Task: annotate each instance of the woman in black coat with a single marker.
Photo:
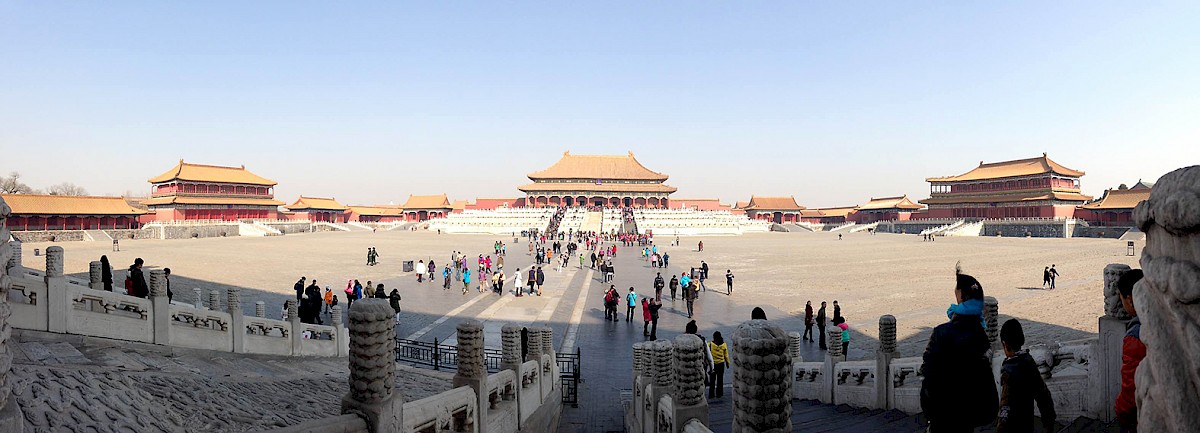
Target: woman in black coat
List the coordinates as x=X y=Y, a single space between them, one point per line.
x=106 y=273
x=958 y=392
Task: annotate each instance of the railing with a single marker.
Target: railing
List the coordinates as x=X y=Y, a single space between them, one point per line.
x=437 y=355
x=569 y=374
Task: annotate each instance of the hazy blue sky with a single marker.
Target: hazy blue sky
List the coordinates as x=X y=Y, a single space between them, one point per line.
x=833 y=102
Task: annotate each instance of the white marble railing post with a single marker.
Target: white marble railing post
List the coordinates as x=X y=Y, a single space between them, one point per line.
x=293 y=318
x=237 y=320
x=160 y=313
x=1167 y=301
x=14 y=264
x=1107 y=380
x=991 y=314
x=472 y=371
x=260 y=309
x=214 y=300
x=642 y=376
x=662 y=375
x=832 y=357
x=883 y=360
x=761 y=372
x=689 y=380
x=372 y=359
x=339 y=328
x=11 y=418
x=199 y=299
x=57 y=304
x=95 y=275
x=510 y=344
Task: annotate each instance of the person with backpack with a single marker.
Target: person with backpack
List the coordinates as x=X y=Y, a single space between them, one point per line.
x=135 y=282
x=959 y=390
x=674 y=285
x=610 y=304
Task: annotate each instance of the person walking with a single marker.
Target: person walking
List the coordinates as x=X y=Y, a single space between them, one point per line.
x=541 y=279
x=421 y=271
x=380 y=293
x=1053 y=276
x=394 y=300
x=658 y=286
x=532 y=280
x=959 y=390
x=1021 y=385
x=299 y=288
x=610 y=303
x=106 y=273
x=837 y=312
x=821 y=326
x=1046 y=277
x=328 y=300
x=728 y=282
x=689 y=295
x=430 y=268
x=136 y=281
x=700 y=247
x=446 y=277
x=466 y=280
x=349 y=293
x=808 y=321
x=631 y=300
x=719 y=353
x=517 y=282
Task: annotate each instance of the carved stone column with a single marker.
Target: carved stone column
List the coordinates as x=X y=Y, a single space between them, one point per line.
x=1108 y=346
x=472 y=371
x=991 y=314
x=160 y=307
x=643 y=376
x=1168 y=304
x=883 y=359
x=199 y=303
x=260 y=309
x=761 y=379
x=214 y=300
x=96 y=275
x=293 y=318
x=54 y=261
x=510 y=344
x=11 y=418
x=13 y=264
x=237 y=320
x=662 y=356
x=832 y=357
x=690 y=366
x=794 y=341
x=372 y=366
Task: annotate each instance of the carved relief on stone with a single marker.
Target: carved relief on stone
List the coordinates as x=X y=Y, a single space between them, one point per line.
x=689 y=369
x=761 y=373
x=233 y=300
x=95 y=272
x=1168 y=304
x=887 y=333
x=470 y=350
x=260 y=310
x=372 y=360
x=510 y=343
x=991 y=314
x=664 y=360
x=835 y=341
x=54 y=261
x=1112 y=295
x=794 y=341
x=158 y=283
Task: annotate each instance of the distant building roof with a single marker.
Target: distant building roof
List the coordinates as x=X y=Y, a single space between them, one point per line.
x=211 y=173
x=38 y=204
x=243 y=201
x=1120 y=199
x=740 y=204
x=427 y=202
x=773 y=203
x=901 y=202
x=598 y=167
x=377 y=210
x=319 y=203
x=834 y=211
x=459 y=205
x=593 y=187
x=1142 y=185
x=1008 y=198
x=1021 y=167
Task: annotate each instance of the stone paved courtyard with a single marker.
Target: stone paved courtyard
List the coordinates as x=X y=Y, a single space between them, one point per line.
x=870 y=275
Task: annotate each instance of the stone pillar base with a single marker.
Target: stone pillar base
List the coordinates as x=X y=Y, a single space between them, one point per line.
x=382 y=417
x=684 y=413
x=11 y=418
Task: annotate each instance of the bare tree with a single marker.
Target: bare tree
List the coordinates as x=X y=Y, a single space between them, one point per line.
x=13 y=185
x=66 y=188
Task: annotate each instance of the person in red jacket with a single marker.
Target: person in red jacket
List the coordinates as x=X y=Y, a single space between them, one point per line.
x=1132 y=352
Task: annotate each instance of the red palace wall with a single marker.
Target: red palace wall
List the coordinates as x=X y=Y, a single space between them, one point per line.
x=72 y=222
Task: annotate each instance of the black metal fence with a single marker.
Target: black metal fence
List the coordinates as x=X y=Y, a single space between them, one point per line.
x=439 y=356
x=569 y=374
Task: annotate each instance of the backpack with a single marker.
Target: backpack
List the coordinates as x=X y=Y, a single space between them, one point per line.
x=609 y=297
x=128 y=285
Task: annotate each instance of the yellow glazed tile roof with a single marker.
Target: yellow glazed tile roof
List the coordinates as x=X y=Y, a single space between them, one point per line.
x=427 y=202
x=1021 y=167
x=901 y=202
x=773 y=203
x=211 y=173
x=1120 y=199
x=212 y=201
x=316 y=203
x=38 y=204
x=598 y=167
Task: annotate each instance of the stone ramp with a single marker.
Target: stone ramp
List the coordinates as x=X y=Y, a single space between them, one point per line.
x=98 y=235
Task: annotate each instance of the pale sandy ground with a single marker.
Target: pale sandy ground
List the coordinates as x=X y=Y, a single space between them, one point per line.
x=869 y=275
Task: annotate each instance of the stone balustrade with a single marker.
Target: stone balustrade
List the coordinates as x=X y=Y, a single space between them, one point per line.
x=48 y=301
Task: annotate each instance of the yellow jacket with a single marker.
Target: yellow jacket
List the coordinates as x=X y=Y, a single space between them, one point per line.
x=720 y=353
